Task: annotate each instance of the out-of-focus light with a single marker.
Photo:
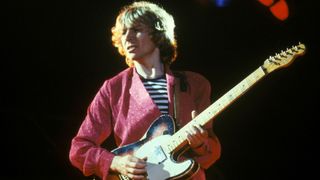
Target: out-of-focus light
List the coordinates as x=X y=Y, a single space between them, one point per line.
x=266 y=2
x=278 y=8
x=222 y=3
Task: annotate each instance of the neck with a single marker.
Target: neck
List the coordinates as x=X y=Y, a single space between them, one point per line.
x=150 y=68
x=150 y=72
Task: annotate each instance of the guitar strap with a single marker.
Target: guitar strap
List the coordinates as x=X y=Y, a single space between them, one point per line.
x=176 y=101
x=180 y=85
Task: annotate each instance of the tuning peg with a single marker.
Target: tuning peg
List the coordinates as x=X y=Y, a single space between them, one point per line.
x=301 y=47
x=277 y=57
x=295 y=48
x=289 y=51
x=275 y=61
x=272 y=58
x=283 y=54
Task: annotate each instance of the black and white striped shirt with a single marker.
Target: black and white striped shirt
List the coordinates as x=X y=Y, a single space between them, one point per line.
x=157 y=88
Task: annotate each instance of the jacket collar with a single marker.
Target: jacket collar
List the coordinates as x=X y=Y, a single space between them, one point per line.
x=139 y=93
x=142 y=97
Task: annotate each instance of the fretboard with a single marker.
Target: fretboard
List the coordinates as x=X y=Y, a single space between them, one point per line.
x=179 y=138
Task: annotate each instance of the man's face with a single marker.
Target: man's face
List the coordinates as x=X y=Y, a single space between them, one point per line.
x=137 y=42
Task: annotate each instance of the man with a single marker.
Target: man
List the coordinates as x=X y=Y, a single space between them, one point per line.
x=128 y=103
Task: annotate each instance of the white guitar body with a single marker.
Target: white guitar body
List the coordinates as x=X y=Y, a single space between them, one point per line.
x=161 y=161
x=161 y=165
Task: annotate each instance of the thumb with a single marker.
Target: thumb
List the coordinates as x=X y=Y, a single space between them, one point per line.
x=194 y=114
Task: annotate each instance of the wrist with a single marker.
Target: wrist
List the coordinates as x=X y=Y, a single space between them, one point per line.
x=114 y=164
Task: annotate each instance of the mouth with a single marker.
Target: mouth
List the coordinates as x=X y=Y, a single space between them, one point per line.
x=131 y=48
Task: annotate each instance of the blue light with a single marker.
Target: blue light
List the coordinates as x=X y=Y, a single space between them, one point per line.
x=222 y=3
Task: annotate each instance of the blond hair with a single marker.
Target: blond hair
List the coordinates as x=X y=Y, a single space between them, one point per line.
x=157 y=19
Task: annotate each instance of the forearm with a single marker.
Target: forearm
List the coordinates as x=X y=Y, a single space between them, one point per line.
x=89 y=158
x=208 y=153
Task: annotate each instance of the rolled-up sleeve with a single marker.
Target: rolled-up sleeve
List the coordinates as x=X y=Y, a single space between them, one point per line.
x=85 y=152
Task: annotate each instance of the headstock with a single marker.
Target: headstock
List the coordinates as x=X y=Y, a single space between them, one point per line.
x=283 y=59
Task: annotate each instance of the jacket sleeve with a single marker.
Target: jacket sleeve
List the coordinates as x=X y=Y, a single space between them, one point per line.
x=212 y=147
x=85 y=152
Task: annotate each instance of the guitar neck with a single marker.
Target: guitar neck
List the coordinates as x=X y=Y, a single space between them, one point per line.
x=179 y=139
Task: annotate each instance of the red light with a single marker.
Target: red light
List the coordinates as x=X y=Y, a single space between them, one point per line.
x=266 y=2
x=279 y=9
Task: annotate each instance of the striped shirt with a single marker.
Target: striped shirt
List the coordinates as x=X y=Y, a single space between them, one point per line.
x=157 y=89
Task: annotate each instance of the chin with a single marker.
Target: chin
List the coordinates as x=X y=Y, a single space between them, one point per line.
x=132 y=56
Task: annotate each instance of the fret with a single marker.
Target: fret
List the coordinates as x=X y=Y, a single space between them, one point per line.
x=229 y=97
x=179 y=139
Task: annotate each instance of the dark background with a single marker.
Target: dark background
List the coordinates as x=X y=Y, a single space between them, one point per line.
x=56 y=54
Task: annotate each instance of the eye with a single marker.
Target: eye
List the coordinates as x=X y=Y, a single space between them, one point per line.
x=124 y=31
x=136 y=30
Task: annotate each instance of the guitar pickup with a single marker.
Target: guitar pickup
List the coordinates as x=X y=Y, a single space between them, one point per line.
x=159 y=154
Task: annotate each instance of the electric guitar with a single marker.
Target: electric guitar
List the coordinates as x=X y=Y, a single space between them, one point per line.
x=162 y=145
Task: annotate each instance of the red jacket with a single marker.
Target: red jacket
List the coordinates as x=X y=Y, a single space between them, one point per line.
x=124 y=107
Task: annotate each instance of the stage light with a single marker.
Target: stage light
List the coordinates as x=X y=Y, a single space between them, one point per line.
x=222 y=3
x=278 y=8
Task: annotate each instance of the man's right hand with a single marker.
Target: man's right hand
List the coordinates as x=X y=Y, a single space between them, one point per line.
x=130 y=166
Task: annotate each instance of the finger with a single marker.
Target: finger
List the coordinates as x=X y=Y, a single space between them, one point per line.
x=137 y=171
x=193 y=138
x=134 y=173
x=193 y=130
x=138 y=160
x=190 y=139
x=203 y=132
x=194 y=114
x=194 y=141
x=140 y=164
x=198 y=128
x=197 y=136
x=136 y=177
